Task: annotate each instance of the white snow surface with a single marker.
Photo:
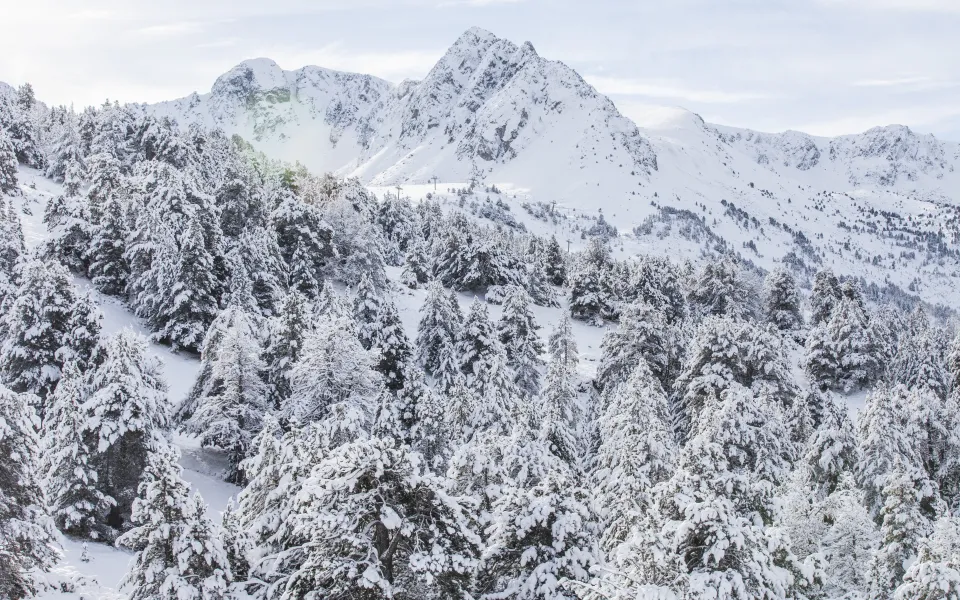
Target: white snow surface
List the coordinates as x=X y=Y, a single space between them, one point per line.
x=499 y=113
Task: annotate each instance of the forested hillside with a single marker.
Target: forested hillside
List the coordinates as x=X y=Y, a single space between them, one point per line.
x=425 y=399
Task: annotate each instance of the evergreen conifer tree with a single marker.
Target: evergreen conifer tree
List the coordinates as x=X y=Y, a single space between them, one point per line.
x=636 y=452
x=641 y=336
x=178 y=550
x=438 y=334
x=555 y=263
x=8 y=165
x=283 y=346
x=378 y=523
x=517 y=331
x=721 y=290
x=125 y=412
x=232 y=414
x=79 y=506
x=824 y=296
x=108 y=268
x=37 y=326
x=27 y=538
x=781 y=299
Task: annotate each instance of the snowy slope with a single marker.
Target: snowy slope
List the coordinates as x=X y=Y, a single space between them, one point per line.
x=99 y=578
x=102 y=574
x=879 y=205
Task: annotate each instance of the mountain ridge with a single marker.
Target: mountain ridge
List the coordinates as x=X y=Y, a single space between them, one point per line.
x=879 y=205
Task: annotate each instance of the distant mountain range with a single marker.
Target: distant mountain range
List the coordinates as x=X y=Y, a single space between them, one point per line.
x=880 y=204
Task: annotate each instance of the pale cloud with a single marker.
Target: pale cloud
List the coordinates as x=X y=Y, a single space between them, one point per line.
x=918 y=117
x=170 y=29
x=904 y=81
x=908 y=84
x=670 y=90
x=901 y=5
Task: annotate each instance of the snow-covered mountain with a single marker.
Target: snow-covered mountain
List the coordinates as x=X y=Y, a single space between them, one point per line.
x=880 y=204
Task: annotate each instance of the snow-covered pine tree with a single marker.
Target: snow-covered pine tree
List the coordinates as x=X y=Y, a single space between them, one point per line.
x=399 y=223
x=37 y=326
x=12 y=246
x=16 y=119
x=557 y=411
x=555 y=263
x=834 y=536
x=68 y=224
x=238 y=197
x=27 y=537
x=359 y=246
x=903 y=525
x=284 y=341
x=334 y=378
x=642 y=335
x=191 y=302
x=540 y=536
x=78 y=504
x=379 y=525
x=422 y=415
x=305 y=241
x=230 y=416
x=824 y=296
x=380 y=330
x=270 y=506
x=233 y=318
x=82 y=343
x=517 y=331
x=781 y=301
x=125 y=412
x=590 y=295
x=437 y=335
x=67 y=149
x=654 y=280
x=918 y=359
x=366 y=310
x=329 y=302
x=886 y=440
x=936 y=572
x=8 y=165
x=235 y=542
x=726 y=351
x=720 y=289
x=416 y=265
x=720 y=505
x=538 y=287
x=832 y=451
x=178 y=550
x=108 y=268
x=483 y=364
x=256 y=248
x=562 y=344
x=637 y=451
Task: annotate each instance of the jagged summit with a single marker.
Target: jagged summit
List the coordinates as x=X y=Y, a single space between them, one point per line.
x=486 y=109
x=495 y=111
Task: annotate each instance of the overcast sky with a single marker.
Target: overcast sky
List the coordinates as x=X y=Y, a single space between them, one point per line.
x=827 y=67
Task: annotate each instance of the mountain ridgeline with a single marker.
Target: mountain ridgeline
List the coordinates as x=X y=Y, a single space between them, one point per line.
x=879 y=205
